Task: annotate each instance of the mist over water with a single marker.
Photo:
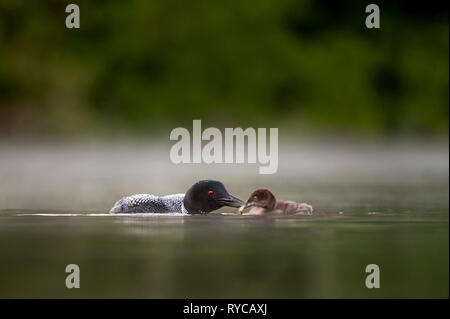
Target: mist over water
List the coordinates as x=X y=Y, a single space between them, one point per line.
x=386 y=205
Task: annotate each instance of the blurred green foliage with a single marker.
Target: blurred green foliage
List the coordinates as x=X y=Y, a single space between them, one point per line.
x=142 y=66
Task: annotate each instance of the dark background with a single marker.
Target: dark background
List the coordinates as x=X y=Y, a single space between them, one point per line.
x=143 y=67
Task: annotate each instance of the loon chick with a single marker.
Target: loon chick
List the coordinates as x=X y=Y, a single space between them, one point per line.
x=263 y=201
x=201 y=198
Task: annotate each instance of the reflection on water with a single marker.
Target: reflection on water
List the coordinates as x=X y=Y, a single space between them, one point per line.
x=322 y=256
x=399 y=222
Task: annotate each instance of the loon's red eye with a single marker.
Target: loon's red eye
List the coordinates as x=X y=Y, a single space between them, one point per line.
x=210 y=193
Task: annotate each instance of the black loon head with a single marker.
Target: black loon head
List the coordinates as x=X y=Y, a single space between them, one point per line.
x=205 y=196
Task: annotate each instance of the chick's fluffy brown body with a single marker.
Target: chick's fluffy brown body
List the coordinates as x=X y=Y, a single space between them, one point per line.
x=263 y=201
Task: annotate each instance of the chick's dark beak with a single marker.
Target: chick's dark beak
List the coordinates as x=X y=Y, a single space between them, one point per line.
x=231 y=201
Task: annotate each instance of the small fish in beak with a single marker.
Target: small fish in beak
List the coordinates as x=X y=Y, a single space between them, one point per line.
x=243 y=207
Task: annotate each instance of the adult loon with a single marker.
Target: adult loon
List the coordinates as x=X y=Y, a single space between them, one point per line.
x=263 y=201
x=201 y=198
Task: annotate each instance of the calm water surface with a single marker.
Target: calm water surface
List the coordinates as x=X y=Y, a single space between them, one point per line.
x=400 y=224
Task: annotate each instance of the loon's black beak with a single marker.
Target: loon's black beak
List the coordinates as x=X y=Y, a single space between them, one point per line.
x=231 y=201
x=247 y=204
